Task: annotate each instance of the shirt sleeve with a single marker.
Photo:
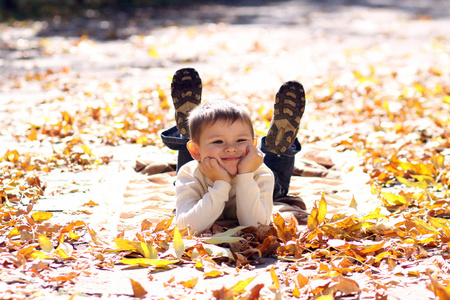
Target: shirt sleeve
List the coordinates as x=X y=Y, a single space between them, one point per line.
x=199 y=205
x=254 y=197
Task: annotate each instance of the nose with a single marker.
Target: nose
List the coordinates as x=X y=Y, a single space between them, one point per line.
x=230 y=148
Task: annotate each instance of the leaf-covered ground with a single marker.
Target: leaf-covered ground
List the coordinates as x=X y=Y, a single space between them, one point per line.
x=76 y=95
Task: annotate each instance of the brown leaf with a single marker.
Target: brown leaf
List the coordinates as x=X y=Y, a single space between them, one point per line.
x=344 y=285
x=146 y=225
x=223 y=294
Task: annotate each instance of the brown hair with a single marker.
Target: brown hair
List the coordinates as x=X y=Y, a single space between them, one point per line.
x=210 y=112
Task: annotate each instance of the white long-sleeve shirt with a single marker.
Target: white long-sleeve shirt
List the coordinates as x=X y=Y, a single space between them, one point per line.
x=200 y=202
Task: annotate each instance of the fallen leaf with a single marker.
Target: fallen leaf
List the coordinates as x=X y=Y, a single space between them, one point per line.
x=138 y=290
x=146 y=262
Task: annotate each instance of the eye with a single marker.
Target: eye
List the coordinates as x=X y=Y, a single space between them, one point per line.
x=218 y=142
x=242 y=140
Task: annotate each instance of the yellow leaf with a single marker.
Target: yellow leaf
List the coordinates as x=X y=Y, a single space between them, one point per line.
x=424 y=178
x=38 y=255
x=217 y=251
x=386 y=107
x=190 y=283
x=419 y=87
x=447 y=99
x=442 y=224
x=420 y=184
x=138 y=290
x=296 y=292
x=64 y=250
x=325 y=297
x=222 y=240
x=199 y=265
x=312 y=218
x=382 y=255
x=153 y=53
x=276 y=282
x=424 y=227
x=146 y=262
x=45 y=243
x=213 y=274
x=147 y=250
x=41 y=216
x=74 y=236
x=425 y=238
x=95 y=238
x=353 y=204
x=178 y=243
x=124 y=245
x=239 y=287
x=438 y=160
x=322 y=209
x=393 y=199
x=225 y=237
x=142 y=140
x=14 y=232
x=317 y=215
x=164 y=104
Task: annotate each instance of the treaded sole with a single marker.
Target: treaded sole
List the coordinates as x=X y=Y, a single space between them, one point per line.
x=186 y=91
x=288 y=111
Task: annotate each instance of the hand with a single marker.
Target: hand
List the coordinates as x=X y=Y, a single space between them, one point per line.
x=252 y=160
x=210 y=168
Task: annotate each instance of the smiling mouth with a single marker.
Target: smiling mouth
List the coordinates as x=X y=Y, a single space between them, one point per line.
x=230 y=158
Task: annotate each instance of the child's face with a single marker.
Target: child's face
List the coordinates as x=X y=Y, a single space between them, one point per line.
x=226 y=142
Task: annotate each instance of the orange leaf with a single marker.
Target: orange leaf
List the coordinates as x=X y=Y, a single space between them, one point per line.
x=138 y=290
x=443 y=293
x=33 y=135
x=190 y=283
x=302 y=280
x=90 y=203
x=41 y=216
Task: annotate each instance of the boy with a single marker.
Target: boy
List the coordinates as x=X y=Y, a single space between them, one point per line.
x=230 y=178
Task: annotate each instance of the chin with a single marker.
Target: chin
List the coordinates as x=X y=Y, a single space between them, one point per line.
x=232 y=174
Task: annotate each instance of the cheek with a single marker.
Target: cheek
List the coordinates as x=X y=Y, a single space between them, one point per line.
x=211 y=150
x=244 y=147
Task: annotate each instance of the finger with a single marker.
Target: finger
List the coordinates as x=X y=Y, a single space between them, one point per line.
x=214 y=163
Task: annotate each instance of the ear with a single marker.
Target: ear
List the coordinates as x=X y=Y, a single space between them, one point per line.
x=255 y=142
x=194 y=150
